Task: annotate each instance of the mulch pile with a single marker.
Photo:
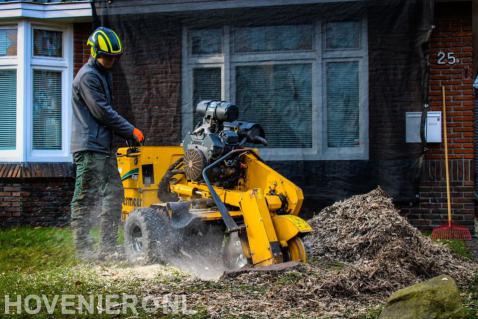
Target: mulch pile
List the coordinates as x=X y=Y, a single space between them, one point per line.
x=380 y=250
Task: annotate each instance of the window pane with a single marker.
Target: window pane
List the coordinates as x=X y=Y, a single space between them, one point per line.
x=342 y=104
x=273 y=38
x=46 y=110
x=342 y=35
x=206 y=41
x=206 y=86
x=8 y=109
x=279 y=97
x=8 y=42
x=47 y=43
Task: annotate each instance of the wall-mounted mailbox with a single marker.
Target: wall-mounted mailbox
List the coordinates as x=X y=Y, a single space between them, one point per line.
x=433 y=127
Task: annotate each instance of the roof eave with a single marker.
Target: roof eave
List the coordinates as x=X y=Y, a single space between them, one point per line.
x=64 y=11
x=155 y=6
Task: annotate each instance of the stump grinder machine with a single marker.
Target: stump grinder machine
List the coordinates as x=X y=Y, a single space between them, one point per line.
x=213 y=195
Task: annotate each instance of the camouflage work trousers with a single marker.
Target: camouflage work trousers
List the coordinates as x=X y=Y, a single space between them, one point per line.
x=98 y=184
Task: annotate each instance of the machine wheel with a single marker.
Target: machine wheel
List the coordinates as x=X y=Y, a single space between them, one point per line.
x=143 y=230
x=296 y=250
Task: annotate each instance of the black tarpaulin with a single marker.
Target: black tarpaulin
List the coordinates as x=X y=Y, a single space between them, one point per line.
x=329 y=81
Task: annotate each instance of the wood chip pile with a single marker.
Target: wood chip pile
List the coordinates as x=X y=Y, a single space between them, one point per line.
x=380 y=250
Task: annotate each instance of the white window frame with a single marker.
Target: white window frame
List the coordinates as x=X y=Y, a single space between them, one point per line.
x=14 y=63
x=359 y=55
x=317 y=57
x=25 y=63
x=64 y=65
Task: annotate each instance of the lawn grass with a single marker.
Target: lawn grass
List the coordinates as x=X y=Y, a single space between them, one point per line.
x=28 y=250
x=41 y=261
x=458 y=246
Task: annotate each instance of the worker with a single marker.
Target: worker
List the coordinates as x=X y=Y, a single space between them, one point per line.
x=94 y=122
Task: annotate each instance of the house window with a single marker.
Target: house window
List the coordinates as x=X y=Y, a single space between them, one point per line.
x=35 y=107
x=46 y=110
x=273 y=93
x=306 y=84
x=273 y=39
x=8 y=109
x=47 y=43
x=206 y=41
x=342 y=104
x=206 y=86
x=342 y=35
x=9 y=80
x=8 y=41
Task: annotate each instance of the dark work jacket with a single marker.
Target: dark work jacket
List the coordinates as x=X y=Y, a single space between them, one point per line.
x=94 y=119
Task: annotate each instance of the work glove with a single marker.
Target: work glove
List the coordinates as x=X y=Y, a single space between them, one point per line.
x=138 y=135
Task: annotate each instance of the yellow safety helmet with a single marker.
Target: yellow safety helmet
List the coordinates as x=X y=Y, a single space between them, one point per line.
x=105 y=41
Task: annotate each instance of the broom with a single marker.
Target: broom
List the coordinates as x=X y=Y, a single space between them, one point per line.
x=449 y=231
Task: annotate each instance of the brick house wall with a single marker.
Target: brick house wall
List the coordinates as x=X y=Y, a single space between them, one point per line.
x=46 y=201
x=148 y=92
x=37 y=194
x=10 y=205
x=453 y=33
x=35 y=201
x=81 y=32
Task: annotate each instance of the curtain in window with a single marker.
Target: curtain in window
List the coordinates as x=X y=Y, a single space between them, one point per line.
x=342 y=35
x=206 y=86
x=46 y=110
x=273 y=38
x=8 y=42
x=47 y=43
x=8 y=109
x=207 y=41
x=279 y=97
x=342 y=104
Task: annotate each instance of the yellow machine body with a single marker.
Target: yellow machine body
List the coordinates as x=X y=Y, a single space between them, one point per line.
x=257 y=201
x=140 y=183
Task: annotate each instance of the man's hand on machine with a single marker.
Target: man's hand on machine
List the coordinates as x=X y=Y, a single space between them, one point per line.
x=138 y=135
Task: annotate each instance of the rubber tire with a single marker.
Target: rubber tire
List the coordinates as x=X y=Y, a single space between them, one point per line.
x=296 y=250
x=153 y=226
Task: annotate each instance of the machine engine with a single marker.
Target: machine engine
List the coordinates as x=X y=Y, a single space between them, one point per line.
x=218 y=134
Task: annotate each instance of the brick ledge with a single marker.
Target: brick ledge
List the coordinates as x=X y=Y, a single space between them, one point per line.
x=36 y=170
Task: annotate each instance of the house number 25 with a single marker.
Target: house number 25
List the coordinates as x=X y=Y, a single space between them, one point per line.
x=446 y=58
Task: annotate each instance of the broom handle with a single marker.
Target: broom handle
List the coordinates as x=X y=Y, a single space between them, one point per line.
x=447 y=173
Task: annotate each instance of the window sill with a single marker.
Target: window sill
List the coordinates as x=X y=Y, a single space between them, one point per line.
x=345 y=154
x=36 y=170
